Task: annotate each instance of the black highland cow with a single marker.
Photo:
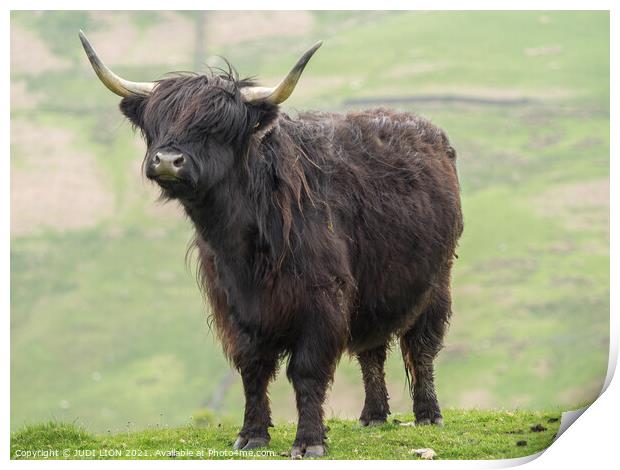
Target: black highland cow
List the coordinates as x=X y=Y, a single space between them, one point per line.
x=317 y=234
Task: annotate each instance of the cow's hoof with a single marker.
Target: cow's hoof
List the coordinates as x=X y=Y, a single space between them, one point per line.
x=247 y=443
x=309 y=452
x=427 y=421
x=372 y=422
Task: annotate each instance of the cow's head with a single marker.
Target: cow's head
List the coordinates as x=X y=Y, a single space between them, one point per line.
x=197 y=127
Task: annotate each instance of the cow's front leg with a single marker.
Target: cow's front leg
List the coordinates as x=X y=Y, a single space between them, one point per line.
x=376 y=407
x=311 y=371
x=257 y=367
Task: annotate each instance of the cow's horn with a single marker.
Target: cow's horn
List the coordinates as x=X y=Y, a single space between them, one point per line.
x=115 y=84
x=280 y=93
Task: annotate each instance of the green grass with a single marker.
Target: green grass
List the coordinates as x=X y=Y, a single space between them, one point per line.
x=108 y=326
x=466 y=435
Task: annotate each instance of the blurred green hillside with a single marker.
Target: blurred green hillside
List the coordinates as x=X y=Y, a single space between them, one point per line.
x=107 y=324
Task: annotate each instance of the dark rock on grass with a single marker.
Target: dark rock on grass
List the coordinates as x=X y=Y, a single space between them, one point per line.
x=521 y=443
x=538 y=428
x=553 y=420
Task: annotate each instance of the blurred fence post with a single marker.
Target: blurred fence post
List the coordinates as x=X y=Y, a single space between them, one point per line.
x=200 y=52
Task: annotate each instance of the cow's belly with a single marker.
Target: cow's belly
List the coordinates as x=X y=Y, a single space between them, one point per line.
x=378 y=319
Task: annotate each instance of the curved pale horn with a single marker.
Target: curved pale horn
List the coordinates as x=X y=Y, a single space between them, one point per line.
x=283 y=90
x=115 y=84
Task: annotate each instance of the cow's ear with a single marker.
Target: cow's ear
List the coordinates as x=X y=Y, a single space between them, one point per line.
x=262 y=117
x=133 y=108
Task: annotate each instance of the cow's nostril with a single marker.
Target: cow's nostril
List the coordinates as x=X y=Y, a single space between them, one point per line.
x=179 y=161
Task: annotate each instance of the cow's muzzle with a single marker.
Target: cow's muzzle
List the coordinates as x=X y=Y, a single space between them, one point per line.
x=166 y=166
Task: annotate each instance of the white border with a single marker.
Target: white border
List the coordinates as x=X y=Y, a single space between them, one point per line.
x=592 y=442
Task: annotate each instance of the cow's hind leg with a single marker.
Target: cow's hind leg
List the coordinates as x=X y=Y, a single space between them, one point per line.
x=376 y=406
x=419 y=346
x=257 y=367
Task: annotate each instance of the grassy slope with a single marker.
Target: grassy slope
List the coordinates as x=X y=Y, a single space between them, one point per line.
x=467 y=435
x=108 y=323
